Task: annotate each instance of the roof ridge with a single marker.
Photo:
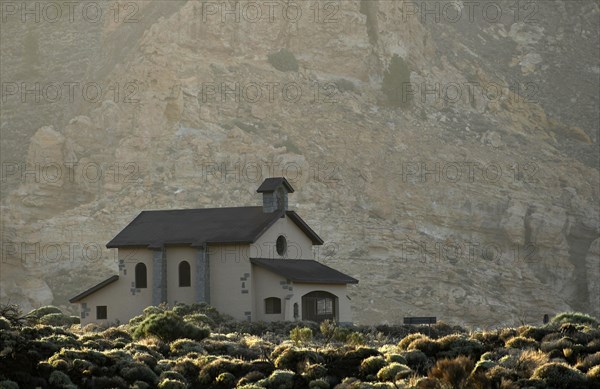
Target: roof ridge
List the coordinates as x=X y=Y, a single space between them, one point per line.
x=198 y=209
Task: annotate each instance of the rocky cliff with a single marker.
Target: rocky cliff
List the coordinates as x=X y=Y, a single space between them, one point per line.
x=469 y=193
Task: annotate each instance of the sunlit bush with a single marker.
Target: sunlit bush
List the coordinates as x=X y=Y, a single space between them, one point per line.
x=168 y=326
x=301 y=335
x=394 y=371
x=574 y=318
x=560 y=375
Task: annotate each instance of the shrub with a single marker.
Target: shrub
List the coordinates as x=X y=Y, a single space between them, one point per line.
x=314 y=371
x=372 y=365
x=169 y=383
x=58 y=319
x=393 y=372
x=342 y=334
x=8 y=384
x=396 y=358
x=43 y=311
x=60 y=380
x=328 y=329
x=395 y=81
x=417 y=360
x=108 y=382
x=4 y=323
x=12 y=313
x=251 y=377
x=301 y=335
x=528 y=361
x=187 y=367
x=168 y=327
x=588 y=362
x=226 y=379
x=454 y=345
x=114 y=333
x=594 y=373
x=428 y=346
x=284 y=61
x=292 y=359
x=281 y=379
x=455 y=372
x=560 y=375
x=536 y=333
x=574 y=318
x=355 y=339
x=559 y=344
x=490 y=339
x=200 y=319
x=318 y=384
x=407 y=340
x=213 y=369
x=139 y=372
x=185 y=346
x=522 y=343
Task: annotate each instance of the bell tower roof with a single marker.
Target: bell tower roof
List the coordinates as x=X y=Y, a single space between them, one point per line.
x=271 y=185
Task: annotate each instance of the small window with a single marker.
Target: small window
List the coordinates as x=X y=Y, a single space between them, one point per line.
x=296 y=313
x=272 y=305
x=184 y=274
x=101 y=312
x=281 y=245
x=324 y=306
x=141 y=276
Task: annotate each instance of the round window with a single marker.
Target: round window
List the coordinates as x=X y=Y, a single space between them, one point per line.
x=281 y=245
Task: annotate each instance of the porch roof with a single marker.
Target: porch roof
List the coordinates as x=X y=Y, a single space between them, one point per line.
x=304 y=271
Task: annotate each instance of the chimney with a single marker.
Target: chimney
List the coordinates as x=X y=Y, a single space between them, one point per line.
x=275 y=191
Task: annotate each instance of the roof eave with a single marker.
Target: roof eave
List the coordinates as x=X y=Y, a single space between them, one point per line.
x=316 y=239
x=94 y=289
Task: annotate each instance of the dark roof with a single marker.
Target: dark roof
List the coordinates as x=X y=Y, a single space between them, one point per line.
x=316 y=240
x=304 y=271
x=94 y=289
x=197 y=227
x=270 y=184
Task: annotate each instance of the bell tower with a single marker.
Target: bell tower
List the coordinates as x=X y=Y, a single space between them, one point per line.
x=275 y=194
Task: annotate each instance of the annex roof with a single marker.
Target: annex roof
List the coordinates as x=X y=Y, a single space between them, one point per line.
x=94 y=288
x=304 y=271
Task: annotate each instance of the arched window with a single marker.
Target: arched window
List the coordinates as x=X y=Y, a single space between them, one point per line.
x=272 y=305
x=141 y=276
x=184 y=274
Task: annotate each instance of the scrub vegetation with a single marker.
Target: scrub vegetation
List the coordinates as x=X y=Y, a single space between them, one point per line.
x=189 y=346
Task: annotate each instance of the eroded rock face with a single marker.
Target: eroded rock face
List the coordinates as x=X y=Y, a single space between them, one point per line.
x=481 y=211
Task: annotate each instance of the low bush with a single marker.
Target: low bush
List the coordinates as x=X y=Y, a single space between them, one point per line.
x=528 y=361
x=301 y=335
x=560 y=376
x=394 y=371
x=522 y=342
x=291 y=355
x=407 y=340
x=454 y=372
x=58 y=319
x=588 y=362
x=372 y=365
x=43 y=311
x=185 y=346
x=574 y=318
x=425 y=344
x=167 y=326
x=451 y=346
